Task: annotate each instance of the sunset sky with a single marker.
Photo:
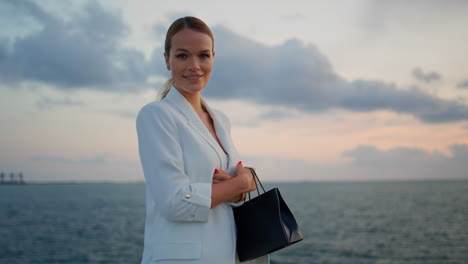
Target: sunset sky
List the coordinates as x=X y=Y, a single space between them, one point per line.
x=315 y=90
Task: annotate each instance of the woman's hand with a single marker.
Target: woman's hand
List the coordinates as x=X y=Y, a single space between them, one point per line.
x=228 y=188
x=244 y=174
x=220 y=176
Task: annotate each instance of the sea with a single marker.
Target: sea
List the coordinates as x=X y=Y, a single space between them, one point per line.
x=342 y=223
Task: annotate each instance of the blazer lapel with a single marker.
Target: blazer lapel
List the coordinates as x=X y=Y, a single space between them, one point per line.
x=220 y=128
x=179 y=101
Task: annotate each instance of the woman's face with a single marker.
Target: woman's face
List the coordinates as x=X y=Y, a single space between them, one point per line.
x=190 y=60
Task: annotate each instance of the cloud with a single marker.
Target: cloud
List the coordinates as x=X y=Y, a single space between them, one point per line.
x=370 y=156
x=411 y=163
x=293 y=17
x=298 y=76
x=47 y=103
x=160 y=28
x=276 y=114
x=84 y=51
x=370 y=164
x=125 y=114
x=424 y=14
x=81 y=52
x=463 y=85
x=425 y=77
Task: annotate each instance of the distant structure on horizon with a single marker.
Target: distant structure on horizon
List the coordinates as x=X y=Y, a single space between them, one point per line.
x=13 y=180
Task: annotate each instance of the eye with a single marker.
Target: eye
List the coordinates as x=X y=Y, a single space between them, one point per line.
x=205 y=55
x=181 y=56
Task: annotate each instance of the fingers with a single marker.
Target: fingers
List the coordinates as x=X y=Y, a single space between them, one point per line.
x=220 y=176
x=220 y=171
x=244 y=172
x=241 y=171
x=239 y=168
x=254 y=184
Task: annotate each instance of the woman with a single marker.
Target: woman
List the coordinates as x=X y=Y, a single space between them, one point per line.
x=193 y=172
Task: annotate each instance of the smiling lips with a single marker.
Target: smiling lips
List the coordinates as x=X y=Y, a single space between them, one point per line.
x=193 y=77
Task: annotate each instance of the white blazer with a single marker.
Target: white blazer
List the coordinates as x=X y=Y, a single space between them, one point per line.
x=178 y=155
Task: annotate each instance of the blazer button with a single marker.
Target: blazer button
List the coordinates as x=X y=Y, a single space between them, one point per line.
x=187 y=196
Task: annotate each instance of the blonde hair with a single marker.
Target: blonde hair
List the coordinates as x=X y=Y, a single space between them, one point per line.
x=176 y=26
x=167 y=86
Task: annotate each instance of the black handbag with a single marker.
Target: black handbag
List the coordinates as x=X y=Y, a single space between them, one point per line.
x=264 y=224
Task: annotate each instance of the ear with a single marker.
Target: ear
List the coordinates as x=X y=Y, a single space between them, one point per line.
x=214 y=54
x=166 y=58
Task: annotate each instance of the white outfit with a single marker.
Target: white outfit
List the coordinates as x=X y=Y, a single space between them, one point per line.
x=178 y=156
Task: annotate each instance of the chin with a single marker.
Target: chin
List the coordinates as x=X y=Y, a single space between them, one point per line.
x=190 y=89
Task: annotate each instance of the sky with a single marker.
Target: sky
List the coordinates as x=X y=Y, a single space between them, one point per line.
x=352 y=90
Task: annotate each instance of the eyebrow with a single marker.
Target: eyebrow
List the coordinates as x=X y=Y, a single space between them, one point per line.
x=185 y=50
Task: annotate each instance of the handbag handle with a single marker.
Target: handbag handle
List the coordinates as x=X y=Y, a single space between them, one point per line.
x=254 y=175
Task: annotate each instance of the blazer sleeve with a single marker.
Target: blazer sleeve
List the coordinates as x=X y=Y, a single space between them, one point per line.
x=175 y=196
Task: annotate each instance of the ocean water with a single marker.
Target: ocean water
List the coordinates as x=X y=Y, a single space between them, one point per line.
x=343 y=223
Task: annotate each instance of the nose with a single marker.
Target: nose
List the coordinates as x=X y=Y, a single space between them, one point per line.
x=194 y=64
